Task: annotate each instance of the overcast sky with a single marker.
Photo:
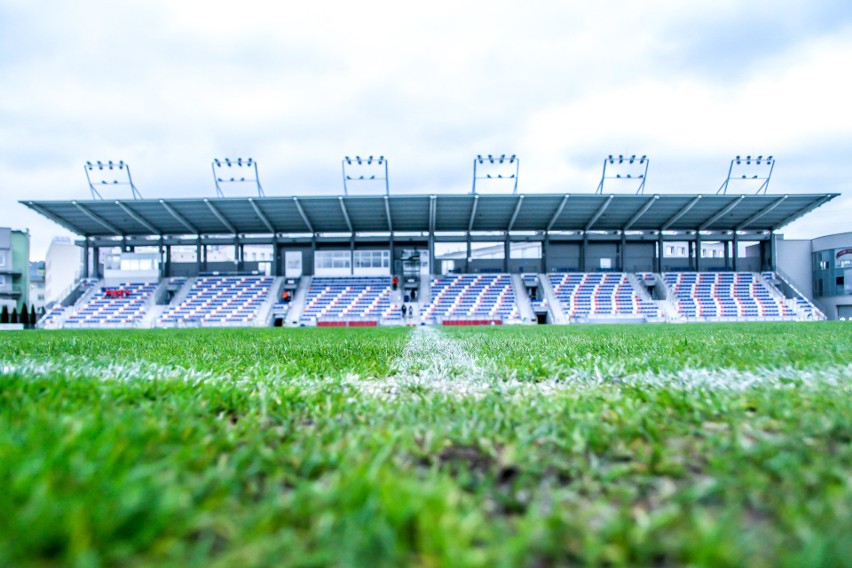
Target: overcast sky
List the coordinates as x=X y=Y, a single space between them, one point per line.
x=169 y=85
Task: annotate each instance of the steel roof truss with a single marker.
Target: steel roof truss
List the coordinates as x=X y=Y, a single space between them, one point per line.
x=221 y=217
x=261 y=215
x=683 y=211
x=139 y=219
x=727 y=209
x=598 y=213
x=98 y=220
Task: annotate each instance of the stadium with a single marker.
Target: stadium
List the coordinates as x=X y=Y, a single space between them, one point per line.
x=380 y=386
x=358 y=259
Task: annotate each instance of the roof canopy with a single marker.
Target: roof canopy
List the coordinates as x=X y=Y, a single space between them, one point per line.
x=429 y=213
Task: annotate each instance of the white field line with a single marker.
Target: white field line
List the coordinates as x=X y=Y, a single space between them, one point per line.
x=435 y=364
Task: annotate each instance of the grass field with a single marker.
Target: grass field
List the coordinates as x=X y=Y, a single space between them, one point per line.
x=713 y=445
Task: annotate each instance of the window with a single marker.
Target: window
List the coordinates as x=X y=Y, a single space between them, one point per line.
x=371 y=259
x=332 y=260
x=2 y=280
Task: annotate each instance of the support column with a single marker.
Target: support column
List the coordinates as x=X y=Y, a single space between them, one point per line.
x=467 y=258
x=584 y=252
x=622 y=260
x=661 y=251
x=736 y=250
x=168 y=260
x=352 y=257
x=772 y=251
x=545 y=245
x=204 y=266
x=86 y=258
x=698 y=252
x=507 y=248
x=690 y=248
x=96 y=253
x=198 y=256
x=431 y=255
x=276 y=257
x=238 y=255
x=727 y=255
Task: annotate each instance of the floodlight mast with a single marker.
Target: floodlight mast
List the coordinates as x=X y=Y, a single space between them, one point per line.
x=249 y=163
x=381 y=167
x=620 y=160
x=759 y=161
x=492 y=159
x=109 y=165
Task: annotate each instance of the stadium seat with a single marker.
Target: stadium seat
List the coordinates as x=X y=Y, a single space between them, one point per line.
x=220 y=301
x=123 y=305
x=725 y=296
x=601 y=295
x=482 y=297
x=350 y=299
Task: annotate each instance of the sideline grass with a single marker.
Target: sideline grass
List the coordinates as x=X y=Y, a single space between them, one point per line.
x=259 y=448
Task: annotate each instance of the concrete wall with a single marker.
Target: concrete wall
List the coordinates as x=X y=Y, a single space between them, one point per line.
x=639 y=257
x=793 y=257
x=62 y=268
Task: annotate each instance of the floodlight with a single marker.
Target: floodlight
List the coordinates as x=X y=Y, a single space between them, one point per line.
x=630 y=167
x=99 y=173
x=239 y=170
x=758 y=168
x=364 y=169
x=496 y=167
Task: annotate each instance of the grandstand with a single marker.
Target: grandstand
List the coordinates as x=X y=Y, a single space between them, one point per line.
x=357 y=260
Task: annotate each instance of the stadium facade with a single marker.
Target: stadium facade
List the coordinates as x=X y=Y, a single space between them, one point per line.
x=356 y=260
x=14 y=268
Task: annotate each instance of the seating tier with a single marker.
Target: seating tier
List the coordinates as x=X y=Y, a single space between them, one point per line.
x=114 y=306
x=350 y=299
x=225 y=300
x=591 y=295
x=472 y=296
x=722 y=295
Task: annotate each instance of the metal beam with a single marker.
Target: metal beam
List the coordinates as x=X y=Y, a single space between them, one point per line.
x=304 y=216
x=261 y=215
x=805 y=211
x=515 y=213
x=432 y=207
x=139 y=219
x=179 y=218
x=221 y=218
x=598 y=213
x=472 y=213
x=345 y=213
x=97 y=219
x=683 y=211
x=557 y=213
x=60 y=220
x=725 y=210
x=762 y=212
x=639 y=213
x=387 y=212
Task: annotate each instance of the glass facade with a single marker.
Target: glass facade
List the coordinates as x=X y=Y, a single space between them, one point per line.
x=833 y=272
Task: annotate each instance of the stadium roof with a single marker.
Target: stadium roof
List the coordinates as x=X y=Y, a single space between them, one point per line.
x=428 y=213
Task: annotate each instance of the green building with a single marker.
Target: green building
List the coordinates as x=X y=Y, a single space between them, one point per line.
x=14 y=268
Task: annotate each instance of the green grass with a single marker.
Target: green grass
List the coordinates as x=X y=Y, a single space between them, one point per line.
x=318 y=447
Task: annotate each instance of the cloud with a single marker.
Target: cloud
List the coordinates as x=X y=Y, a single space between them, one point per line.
x=167 y=86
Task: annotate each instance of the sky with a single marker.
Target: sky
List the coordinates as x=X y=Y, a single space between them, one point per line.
x=167 y=86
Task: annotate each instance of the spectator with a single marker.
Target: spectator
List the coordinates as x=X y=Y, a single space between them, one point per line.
x=285 y=297
x=403 y=311
x=395 y=282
